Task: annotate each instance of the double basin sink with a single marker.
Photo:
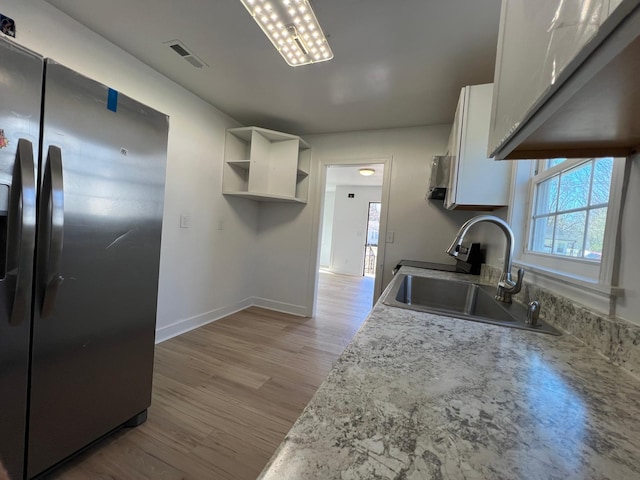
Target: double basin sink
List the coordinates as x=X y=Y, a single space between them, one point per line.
x=460 y=299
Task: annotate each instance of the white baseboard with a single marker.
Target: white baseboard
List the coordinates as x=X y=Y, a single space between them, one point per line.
x=299 y=310
x=191 y=323
x=188 y=324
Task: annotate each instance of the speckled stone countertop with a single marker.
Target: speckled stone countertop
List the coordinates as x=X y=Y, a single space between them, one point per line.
x=422 y=396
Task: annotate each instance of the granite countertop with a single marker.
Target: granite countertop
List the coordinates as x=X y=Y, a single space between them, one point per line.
x=422 y=396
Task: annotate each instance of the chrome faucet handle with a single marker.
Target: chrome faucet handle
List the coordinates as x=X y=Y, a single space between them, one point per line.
x=507 y=287
x=518 y=285
x=533 y=312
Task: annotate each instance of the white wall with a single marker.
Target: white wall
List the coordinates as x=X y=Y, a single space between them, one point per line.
x=490 y=237
x=350 y=228
x=327 y=228
x=422 y=230
x=204 y=272
x=281 y=258
x=288 y=235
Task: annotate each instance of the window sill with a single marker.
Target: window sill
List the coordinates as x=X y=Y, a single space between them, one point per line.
x=593 y=295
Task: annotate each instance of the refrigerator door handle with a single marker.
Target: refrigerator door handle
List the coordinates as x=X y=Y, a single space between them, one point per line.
x=21 y=232
x=52 y=226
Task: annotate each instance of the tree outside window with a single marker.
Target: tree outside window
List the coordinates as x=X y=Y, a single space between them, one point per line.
x=570 y=208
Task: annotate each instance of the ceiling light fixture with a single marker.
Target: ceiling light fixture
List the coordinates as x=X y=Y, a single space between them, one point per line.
x=292 y=28
x=367 y=172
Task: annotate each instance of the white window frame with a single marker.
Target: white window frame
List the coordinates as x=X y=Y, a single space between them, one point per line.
x=591 y=283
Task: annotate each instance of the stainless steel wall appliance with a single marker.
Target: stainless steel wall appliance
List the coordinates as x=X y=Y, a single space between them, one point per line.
x=82 y=173
x=439 y=180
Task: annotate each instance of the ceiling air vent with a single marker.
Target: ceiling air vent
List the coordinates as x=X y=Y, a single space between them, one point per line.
x=181 y=49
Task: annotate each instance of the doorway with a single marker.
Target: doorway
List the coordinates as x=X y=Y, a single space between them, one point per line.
x=350 y=225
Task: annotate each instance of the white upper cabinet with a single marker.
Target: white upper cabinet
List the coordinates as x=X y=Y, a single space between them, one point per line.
x=475 y=182
x=265 y=165
x=566 y=79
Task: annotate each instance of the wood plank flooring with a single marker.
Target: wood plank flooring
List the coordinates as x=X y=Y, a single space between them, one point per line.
x=225 y=395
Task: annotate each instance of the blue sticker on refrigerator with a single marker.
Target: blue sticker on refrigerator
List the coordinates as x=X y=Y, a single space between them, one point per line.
x=112 y=100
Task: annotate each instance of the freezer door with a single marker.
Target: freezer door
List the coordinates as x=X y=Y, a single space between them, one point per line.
x=20 y=89
x=100 y=220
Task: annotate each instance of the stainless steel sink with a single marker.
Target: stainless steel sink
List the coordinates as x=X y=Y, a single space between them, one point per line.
x=466 y=300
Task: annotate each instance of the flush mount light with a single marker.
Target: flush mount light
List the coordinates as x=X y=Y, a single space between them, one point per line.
x=292 y=28
x=367 y=172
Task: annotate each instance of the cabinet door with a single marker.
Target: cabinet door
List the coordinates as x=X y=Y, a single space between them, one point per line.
x=476 y=182
x=536 y=42
x=481 y=180
x=454 y=151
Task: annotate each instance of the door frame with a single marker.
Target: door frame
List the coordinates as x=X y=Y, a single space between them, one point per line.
x=318 y=195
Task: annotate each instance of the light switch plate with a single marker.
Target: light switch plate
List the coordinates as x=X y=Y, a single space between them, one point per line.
x=390 y=237
x=185 y=221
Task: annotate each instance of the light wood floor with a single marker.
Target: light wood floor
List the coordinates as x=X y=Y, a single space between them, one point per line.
x=226 y=394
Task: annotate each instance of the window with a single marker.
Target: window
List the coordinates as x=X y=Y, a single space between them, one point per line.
x=565 y=215
x=570 y=204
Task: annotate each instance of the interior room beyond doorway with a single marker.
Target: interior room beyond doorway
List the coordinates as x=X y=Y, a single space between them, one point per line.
x=351 y=218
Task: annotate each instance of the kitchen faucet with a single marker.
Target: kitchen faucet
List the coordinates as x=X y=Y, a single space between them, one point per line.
x=506 y=285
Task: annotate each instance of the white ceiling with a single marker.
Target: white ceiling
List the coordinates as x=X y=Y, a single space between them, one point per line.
x=397 y=63
x=338 y=175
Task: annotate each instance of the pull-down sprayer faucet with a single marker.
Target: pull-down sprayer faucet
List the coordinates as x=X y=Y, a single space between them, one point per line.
x=506 y=285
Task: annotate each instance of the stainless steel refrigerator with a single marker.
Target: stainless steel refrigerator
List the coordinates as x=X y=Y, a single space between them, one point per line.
x=82 y=171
